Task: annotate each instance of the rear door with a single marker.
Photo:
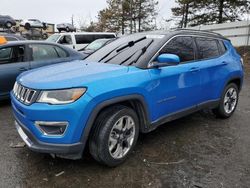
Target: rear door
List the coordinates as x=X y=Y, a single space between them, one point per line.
x=213 y=67
x=43 y=54
x=12 y=62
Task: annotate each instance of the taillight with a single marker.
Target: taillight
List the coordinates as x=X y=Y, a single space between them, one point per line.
x=242 y=62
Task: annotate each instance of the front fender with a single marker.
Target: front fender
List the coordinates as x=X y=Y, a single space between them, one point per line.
x=109 y=102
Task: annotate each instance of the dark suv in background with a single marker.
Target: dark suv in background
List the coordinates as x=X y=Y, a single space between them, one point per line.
x=7 y=21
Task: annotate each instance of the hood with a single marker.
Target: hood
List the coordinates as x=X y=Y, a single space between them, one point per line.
x=69 y=75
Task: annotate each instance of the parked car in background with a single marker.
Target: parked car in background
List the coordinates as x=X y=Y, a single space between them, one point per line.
x=65 y=27
x=132 y=85
x=33 y=23
x=7 y=21
x=12 y=37
x=94 y=46
x=19 y=56
x=79 y=40
x=35 y=34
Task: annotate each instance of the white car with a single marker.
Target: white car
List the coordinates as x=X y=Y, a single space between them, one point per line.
x=33 y=23
x=79 y=40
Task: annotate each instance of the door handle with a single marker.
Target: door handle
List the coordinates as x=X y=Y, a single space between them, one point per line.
x=23 y=69
x=194 y=69
x=224 y=63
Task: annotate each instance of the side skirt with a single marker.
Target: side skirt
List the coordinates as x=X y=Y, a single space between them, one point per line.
x=176 y=115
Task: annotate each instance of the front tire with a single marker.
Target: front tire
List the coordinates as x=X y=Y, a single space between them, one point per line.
x=228 y=102
x=114 y=136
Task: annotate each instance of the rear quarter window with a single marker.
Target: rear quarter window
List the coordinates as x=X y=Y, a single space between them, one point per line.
x=223 y=48
x=62 y=53
x=207 y=48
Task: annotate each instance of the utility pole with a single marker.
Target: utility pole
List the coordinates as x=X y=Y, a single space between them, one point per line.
x=72 y=19
x=131 y=16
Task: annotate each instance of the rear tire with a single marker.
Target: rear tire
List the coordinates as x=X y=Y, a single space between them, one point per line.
x=228 y=102
x=8 y=25
x=67 y=29
x=27 y=26
x=114 y=136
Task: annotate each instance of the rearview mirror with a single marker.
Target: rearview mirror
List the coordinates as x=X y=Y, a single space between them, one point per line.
x=167 y=60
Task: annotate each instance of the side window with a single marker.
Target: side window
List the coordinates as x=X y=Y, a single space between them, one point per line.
x=66 y=39
x=181 y=46
x=207 y=48
x=84 y=39
x=222 y=47
x=61 y=52
x=6 y=55
x=43 y=52
x=12 y=54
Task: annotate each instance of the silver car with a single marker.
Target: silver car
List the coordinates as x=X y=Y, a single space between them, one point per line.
x=66 y=27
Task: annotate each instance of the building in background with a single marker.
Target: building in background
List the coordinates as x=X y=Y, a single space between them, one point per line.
x=237 y=32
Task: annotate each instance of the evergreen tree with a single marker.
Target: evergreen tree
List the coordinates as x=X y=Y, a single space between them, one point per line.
x=127 y=16
x=201 y=12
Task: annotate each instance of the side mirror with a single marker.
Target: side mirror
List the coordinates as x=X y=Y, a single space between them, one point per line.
x=167 y=60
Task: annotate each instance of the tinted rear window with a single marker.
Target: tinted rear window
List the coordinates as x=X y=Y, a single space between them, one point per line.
x=86 y=38
x=207 y=48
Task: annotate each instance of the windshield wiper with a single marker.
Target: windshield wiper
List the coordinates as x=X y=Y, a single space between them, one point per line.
x=119 y=49
x=131 y=43
x=143 y=51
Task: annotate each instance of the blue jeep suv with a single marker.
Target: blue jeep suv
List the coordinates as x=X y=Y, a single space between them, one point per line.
x=130 y=86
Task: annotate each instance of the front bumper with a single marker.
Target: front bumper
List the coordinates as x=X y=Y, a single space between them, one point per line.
x=70 y=151
x=69 y=145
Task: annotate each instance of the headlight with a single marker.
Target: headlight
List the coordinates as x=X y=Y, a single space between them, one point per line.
x=61 y=96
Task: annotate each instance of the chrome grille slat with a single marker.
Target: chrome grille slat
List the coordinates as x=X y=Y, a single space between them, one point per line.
x=23 y=94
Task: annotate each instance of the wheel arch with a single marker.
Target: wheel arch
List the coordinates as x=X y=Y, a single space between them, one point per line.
x=236 y=80
x=135 y=101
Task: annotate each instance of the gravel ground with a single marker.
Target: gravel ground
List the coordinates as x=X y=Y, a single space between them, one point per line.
x=195 y=151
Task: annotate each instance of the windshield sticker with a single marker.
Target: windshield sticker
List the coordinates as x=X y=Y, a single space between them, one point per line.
x=155 y=36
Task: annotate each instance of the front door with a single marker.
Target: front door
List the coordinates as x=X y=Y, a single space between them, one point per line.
x=176 y=88
x=12 y=63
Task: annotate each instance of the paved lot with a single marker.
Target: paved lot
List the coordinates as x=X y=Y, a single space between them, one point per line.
x=196 y=151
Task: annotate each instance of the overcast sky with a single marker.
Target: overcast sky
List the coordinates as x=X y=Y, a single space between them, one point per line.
x=57 y=11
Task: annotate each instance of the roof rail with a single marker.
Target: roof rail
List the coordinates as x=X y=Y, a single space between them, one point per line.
x=200 y=31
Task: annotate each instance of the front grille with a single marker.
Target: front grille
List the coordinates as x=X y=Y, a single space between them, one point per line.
x=24 y=94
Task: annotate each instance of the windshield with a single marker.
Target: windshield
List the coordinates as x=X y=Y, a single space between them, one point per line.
x=126 y=50
x=53 y=38
x=97 y=44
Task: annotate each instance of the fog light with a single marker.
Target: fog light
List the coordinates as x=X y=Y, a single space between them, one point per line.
x=52 y=128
